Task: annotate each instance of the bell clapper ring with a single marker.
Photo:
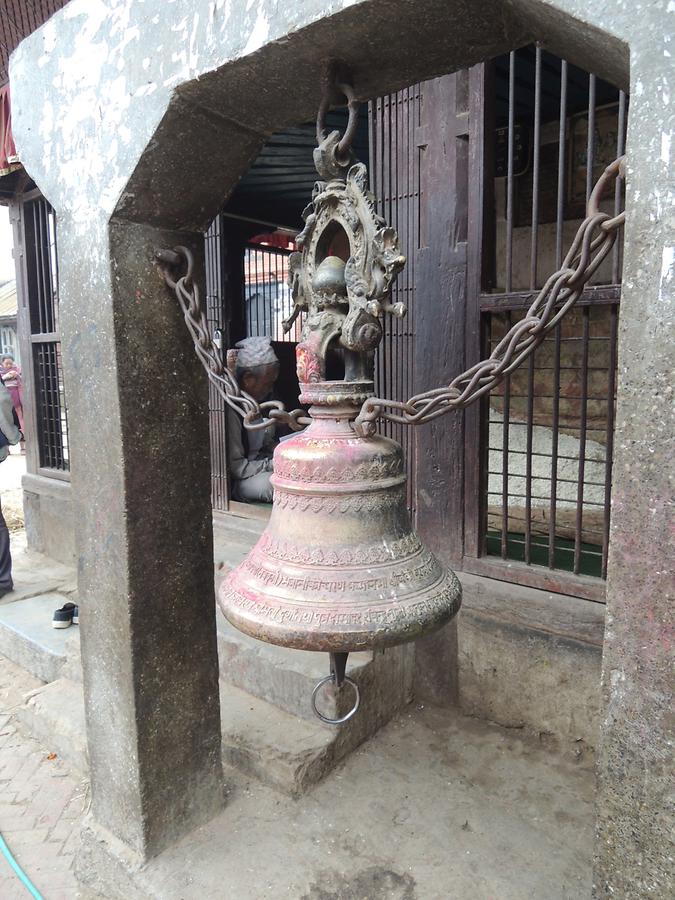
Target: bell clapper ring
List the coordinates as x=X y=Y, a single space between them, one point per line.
x=338 y=665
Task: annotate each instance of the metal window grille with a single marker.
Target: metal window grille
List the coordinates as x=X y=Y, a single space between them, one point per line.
x=214 y=254
x=395 y=174
x=549 y=426
x=267 y=297
x=51 y=414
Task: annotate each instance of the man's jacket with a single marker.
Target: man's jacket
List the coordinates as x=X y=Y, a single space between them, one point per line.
x=7 y=426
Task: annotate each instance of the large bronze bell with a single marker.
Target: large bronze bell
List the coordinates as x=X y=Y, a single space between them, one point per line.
x=339 y=567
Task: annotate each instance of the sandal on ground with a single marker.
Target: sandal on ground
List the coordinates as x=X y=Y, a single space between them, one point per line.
x=66 y=616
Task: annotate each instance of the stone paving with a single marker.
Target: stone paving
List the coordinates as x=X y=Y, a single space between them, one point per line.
x=42 y=802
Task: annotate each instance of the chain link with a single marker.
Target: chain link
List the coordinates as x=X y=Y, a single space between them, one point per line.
x=255 y=415
x=594 y=240
x=336 y=86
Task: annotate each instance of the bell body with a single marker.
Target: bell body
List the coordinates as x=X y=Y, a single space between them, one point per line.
x=338 y=568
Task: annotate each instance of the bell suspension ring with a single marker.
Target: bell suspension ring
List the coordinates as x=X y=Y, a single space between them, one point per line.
x=337 y=677
x=339 y=568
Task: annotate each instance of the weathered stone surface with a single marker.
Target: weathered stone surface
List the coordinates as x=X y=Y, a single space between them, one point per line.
x=99 y=95
x=519 y=676
x=282 y=751
x=54 y=715
x=522 y=658
x=48 y=510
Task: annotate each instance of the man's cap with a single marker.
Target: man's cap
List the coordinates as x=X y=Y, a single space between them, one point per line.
x=255 y=351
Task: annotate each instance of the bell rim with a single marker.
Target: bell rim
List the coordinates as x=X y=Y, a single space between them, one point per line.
x=401 y=629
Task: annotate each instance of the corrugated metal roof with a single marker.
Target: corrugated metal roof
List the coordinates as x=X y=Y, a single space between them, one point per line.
x=279 y=184
x=8 y=299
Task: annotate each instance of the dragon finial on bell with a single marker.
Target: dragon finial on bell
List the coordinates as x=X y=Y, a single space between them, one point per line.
x=339 y=567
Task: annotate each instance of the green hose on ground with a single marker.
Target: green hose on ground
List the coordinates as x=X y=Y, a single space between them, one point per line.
x=18 y=871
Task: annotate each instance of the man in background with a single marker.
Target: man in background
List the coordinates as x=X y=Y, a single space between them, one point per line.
x=9 y=434
x=249 y=453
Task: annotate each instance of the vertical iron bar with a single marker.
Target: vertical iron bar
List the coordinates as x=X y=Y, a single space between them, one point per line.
x=253 y=287
x=555 y=423
x=49 y=435
x=386 y=201
x=609 y=445
x=379 y=171
x=528 y=460
x=44 y=324
x=535 y=169
x=413 y=153
x=394 y=323
x=49 y=429
x=265 y=260
x=410 y=293
x=41 y=325
x=385 y=345
x=372 y=152
x=590 y=143
x=263 y=263
x=401 y=230
x=53 y=268
x=246 y=291
x=506 y=420
x=58 y=450
x=618 y=185
x=260 y=287
x=562 y=133
x=509 y=174
x=267 y=306
x=582 y=440
x=48 y=294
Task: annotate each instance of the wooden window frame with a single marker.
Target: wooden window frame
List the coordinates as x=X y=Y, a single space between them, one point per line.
x=30 y=340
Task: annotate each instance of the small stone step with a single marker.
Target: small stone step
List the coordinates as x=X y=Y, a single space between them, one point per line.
x=281 y=750
x=229 y=523
x=233 y=537
x=28 y=639
x=283 y=677
x=34 y=574
x=260 y=740
x=54 y=714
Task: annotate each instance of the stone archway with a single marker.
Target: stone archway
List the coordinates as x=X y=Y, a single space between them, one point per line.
x=136 y=120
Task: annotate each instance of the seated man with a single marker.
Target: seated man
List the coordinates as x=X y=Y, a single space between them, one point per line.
x=249 y=453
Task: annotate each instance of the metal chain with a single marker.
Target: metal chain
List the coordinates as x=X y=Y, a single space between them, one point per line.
x=594 y=240
x=255 y=415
